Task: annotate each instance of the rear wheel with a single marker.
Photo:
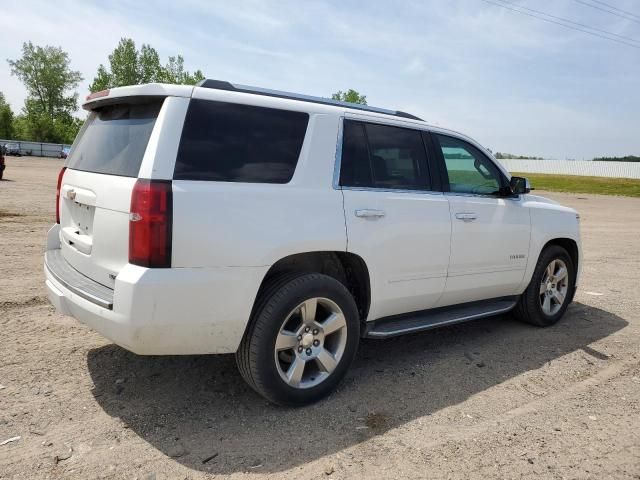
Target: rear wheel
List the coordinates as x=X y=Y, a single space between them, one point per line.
x=548 y=295
x=303 y=337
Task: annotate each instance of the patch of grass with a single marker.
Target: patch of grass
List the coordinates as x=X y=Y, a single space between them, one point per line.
x=626 y=187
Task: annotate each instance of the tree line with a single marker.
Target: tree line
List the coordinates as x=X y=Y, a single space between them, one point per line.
x=628 y=158
x=501 y=156
x=48 y=113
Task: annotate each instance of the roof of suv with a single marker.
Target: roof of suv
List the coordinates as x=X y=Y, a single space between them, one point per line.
x=97 y=99
x=158 y=89
x=224 y=85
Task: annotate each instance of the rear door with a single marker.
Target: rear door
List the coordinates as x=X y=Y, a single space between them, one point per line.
x=489 y=231
x=396 y=220
x=95 y=193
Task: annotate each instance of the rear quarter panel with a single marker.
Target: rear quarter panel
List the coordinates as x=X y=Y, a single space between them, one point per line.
x=219 y=224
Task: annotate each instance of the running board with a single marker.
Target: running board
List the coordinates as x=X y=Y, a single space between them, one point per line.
x=437 y=317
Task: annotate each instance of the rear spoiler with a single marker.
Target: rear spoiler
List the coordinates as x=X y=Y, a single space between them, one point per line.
x=135 y=93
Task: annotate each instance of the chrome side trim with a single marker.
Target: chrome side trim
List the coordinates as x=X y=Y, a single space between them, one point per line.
x=76 y=282
x=338 y=160
x=391 y=190
x=515 y=198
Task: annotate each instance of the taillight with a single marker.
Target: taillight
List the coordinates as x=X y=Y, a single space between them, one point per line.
x=60 y=175
x=150 y=224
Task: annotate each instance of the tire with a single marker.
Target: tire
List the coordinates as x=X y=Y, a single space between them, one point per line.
x=276 y=347
x=532 y=307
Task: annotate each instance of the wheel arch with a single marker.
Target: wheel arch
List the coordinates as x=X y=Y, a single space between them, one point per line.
x=347 y=268
x=570 y=245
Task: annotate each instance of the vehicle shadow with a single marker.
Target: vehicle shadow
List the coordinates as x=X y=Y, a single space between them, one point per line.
x=198 y=410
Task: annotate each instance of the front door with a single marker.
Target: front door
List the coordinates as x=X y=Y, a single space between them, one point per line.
x=489 y=231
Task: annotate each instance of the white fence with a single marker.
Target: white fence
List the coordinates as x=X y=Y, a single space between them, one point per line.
x=574 y=167
x=37 y=149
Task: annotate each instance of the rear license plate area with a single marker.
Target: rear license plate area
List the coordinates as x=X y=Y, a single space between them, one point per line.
x=82 y=216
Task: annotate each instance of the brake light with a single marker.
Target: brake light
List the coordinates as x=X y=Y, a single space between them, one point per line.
x=101 y=93
x=150 y=224
x=60 y=175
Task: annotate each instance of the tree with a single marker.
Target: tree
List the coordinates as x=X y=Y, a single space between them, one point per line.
x=47 y=115
x=174 y=72
x=351 y=96
x=46 y=74
x=6 y=119
x=101 y=81
x=128 y=66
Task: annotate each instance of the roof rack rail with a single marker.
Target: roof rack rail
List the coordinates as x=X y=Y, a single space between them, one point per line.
x=224 y=85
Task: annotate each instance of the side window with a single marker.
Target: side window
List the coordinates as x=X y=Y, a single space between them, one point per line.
x=382 y=156
x=229 y=142
x=468 y=169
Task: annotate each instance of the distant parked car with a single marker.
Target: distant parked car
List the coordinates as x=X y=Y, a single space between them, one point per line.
x=65 y=152
x=12 y=149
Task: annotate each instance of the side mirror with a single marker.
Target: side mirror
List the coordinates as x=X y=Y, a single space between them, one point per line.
x=519 y=185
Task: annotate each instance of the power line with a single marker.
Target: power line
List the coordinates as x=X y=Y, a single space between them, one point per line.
x=616 y=8
x=570 y=21
x=562 y=24
x=608 y=11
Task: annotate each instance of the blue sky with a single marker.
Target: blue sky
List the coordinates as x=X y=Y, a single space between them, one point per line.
x=512 y=82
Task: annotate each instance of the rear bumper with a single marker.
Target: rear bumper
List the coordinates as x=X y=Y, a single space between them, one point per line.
x=174 y=311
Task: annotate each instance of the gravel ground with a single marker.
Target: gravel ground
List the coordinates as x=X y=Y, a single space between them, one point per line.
x=492 y=398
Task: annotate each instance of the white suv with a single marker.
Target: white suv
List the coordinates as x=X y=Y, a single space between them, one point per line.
x=283 y=228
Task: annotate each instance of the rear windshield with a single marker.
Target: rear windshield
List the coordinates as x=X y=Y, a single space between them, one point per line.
x=114 y=138
x=239 y=143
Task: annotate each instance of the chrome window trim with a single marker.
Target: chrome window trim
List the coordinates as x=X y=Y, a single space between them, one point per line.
x=391 y=190
x=338 y=160
x=515 y=198
x=338 y=164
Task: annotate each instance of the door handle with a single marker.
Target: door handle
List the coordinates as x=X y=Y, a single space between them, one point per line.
x=369 y=213
x=466 y=217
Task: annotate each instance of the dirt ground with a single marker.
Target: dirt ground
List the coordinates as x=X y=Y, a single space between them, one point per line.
x=489 y=399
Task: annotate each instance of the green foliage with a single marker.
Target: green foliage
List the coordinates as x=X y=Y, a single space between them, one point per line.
x=47 y=115
x=101 y=81
x=47 y=76
x=174 y=72
x=578 y=184
x=128 y=66
x=351 y=96
x=6 y=118
x=501 y=156
x=628 y=158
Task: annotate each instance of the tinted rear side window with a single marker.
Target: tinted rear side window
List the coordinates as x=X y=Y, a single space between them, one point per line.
x=355 y=170
x=114 y=139
x=383 y=156
x=239 y=143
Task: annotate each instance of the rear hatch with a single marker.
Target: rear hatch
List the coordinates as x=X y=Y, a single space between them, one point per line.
x=95 y=191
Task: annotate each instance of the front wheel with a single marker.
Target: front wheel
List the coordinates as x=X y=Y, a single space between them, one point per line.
x=302 y=338
x=548 y=295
